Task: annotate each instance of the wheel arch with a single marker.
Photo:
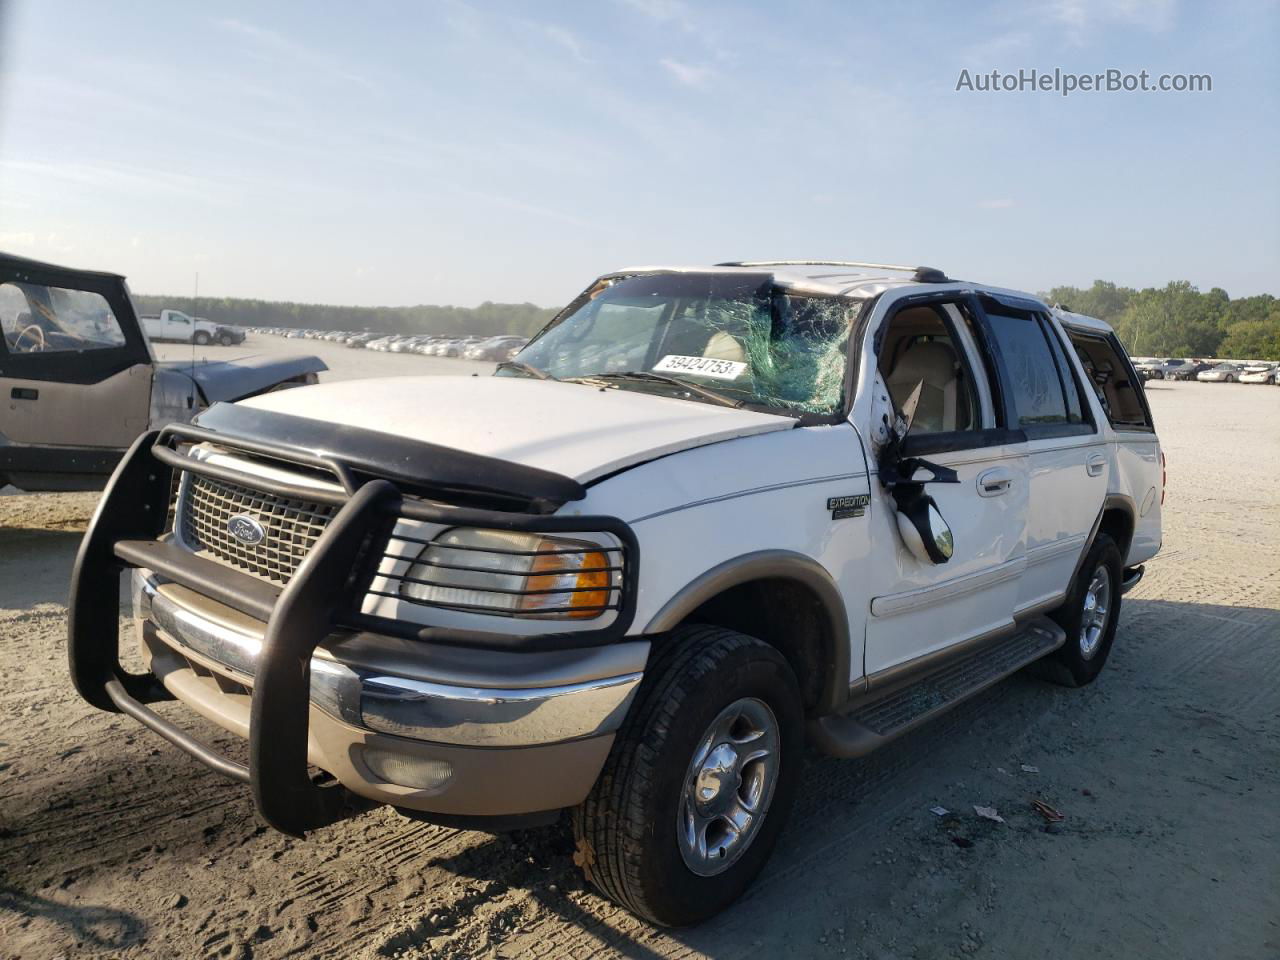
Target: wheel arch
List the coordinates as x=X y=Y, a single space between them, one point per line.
x=783 y=598
x=1117 y=520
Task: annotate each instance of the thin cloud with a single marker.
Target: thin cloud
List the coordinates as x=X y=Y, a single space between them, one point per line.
x=663 y=11
x=691 y=75
x=272 y=42
x=1082 y=17
x=566 y=39
x=1003 y=203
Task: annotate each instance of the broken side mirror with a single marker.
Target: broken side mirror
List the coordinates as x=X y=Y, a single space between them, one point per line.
x=921 y=525
x=922 y=528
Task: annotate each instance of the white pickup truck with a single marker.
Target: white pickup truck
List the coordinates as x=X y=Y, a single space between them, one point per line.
x=707 y=513
x=176 y=326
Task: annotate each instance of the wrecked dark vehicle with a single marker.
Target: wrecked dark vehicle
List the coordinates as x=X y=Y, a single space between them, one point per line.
x=78 y=380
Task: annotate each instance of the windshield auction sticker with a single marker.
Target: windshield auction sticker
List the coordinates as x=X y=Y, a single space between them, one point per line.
x=700 y=366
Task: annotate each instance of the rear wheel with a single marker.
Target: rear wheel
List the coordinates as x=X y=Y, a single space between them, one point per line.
x=1089 y=616
x=225 y=339
x=700 y=780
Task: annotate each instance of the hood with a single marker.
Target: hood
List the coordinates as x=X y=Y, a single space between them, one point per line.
x=578 y=431
x=243 y=376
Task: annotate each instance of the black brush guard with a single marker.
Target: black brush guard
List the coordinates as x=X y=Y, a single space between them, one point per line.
x=324 y=594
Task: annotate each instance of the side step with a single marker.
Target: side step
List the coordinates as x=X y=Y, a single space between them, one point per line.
x=873 y=723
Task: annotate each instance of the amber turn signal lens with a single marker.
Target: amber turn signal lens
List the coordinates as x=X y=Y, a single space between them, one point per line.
x=583 y=577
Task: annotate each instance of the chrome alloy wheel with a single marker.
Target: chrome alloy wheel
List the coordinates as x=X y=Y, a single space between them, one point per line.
x=1097 y=607
x=728 y=787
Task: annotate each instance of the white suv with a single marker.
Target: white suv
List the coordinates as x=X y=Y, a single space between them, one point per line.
x=707 y=513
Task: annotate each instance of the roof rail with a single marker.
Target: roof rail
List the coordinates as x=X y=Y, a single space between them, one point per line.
x=920 y=274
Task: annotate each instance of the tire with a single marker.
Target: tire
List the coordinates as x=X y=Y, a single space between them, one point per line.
x=1230 y=379
x=225 y=340
x=200 y=338
x=1079 y=661
x=705 y=684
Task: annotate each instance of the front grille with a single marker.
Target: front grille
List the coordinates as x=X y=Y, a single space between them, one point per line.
x=290 y=526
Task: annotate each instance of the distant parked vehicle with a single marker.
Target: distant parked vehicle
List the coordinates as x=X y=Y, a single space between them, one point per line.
x=494 y=348
x=1171 y=369
x=1191 y=369
x=1150 y=368
x=1259 y=373
x=177 y=327
x=1222 y=373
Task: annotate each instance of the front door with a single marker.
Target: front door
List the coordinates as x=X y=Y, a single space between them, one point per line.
x=75 y=375
x=928 y=351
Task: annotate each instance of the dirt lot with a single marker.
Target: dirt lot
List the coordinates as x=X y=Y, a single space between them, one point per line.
x=1168 y=771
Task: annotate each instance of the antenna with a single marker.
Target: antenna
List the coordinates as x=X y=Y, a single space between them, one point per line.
x=195 y=298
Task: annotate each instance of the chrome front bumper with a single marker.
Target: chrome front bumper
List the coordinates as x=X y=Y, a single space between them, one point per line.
x=493 y=710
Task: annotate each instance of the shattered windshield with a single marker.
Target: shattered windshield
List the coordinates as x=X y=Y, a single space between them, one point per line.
x=733 y=335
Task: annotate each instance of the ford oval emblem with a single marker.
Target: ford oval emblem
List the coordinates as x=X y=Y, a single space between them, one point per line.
x=246 y=529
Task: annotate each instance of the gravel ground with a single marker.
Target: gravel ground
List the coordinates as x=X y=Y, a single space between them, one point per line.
x=1167 y=770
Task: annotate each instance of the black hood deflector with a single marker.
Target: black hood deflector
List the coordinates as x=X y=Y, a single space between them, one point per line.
x=425 y=468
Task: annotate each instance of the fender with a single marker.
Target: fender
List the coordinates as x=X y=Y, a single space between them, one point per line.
x=1112 y=501
x=775 y=565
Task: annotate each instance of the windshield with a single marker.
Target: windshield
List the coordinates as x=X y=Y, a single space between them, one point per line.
x=734 y=334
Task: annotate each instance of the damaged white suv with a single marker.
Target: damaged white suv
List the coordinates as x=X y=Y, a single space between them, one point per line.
x=707 y=513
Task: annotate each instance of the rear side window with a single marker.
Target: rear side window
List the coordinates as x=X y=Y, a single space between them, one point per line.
x=1110 y=377
x=1028 y=360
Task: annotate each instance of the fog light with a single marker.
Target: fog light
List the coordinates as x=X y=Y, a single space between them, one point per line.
x=406 y=770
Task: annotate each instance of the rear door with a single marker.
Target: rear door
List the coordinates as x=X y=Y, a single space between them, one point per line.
x=75 y=375
x=1067 y=454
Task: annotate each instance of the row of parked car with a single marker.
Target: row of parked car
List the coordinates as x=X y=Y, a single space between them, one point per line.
x=497 y=348
x=1207 y=371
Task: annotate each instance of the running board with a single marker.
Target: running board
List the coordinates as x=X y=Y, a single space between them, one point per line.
x=875 y=722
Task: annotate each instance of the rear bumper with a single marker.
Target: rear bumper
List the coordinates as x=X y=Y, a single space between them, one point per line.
x=1132 y=577
x=259 y=661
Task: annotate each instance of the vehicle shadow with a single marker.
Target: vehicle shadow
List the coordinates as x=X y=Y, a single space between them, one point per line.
x=104 y=928
x=848 y=810
x=35 y=565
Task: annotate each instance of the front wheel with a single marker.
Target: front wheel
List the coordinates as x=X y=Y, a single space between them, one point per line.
x=225 y=339
x=700 y=780
x=201 y=339
x=1089 y=615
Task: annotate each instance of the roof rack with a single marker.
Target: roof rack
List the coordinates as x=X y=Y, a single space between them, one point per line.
x=919 y=274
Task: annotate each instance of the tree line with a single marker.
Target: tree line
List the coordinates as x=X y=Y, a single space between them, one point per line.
x=488 y=319
x=1175 y=320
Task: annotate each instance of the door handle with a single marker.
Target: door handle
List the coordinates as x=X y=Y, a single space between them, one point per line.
x=24 y=393
x=1095 y=465
x=994 y=483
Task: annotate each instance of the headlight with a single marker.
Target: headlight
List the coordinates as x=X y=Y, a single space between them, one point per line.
x=515 y=574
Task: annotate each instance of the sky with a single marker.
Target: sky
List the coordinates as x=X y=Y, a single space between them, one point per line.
x=392 y=153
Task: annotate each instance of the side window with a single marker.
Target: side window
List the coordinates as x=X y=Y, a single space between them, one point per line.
x=922 y=363
x=1066 y=374
x=1109 y=376
x=38 y=319
x=1033 y=374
